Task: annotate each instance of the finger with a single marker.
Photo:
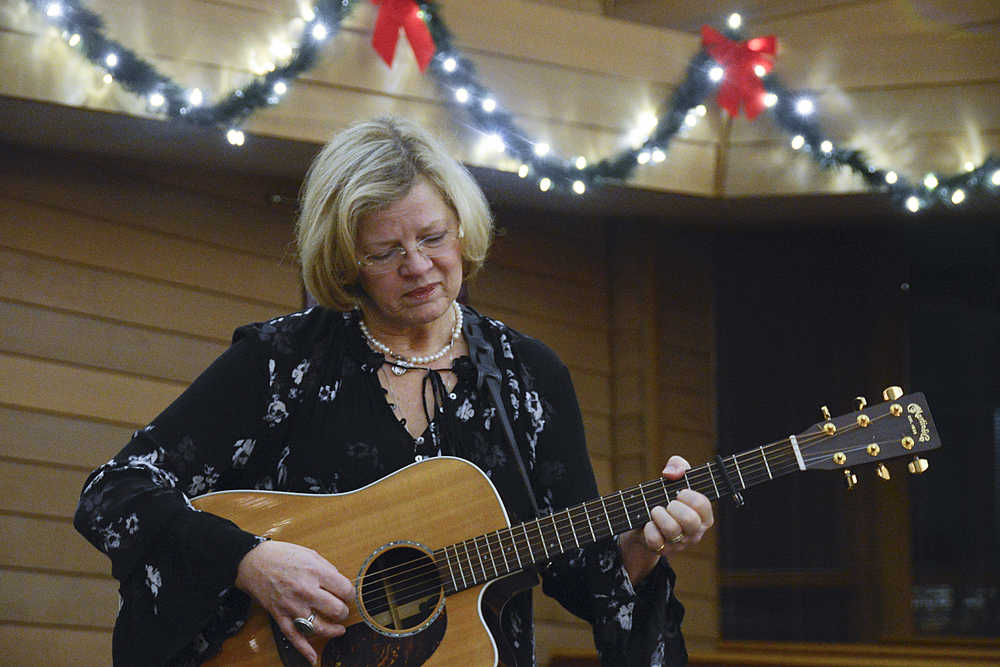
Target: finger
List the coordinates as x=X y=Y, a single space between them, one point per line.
x=336 y=583
x=297 y=639
x=676 y=467
x=329 y=606
x=686 y=517
x=652 y=538
x=664 y=524
x=700 y=503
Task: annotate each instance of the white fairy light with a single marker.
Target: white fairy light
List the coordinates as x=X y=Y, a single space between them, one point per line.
x=969 y=166
x=995 y=178
x=450 y=65
x=930 y=181
x=891 y=177
x=495 y=142
x=545 y=184
x=716 y=73
x=691 y=120
x=53 y=10
x=235 y=137
x=734 y=21
x=760 y=71
x=196 y=97
x=912 y=204
x=643 y=157
x=658 y=155
x=156 y=100
x=308 y=14
x=798 y=141
x=320 y=32
x=74 y=39
x=523 y=171
x=542 y=149
x=579 y=187
x=958 y=196
x=770 y=99
x=280 y=88
x=489 y=105
x=462 y=95
x=804 y=106
x=107 y=79
x=581 y=163
x=111 y=60
x=701 y=110
x=826 y=147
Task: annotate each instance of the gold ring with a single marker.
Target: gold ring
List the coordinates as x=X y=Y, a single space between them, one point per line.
x=662 y=547
x=676 y=538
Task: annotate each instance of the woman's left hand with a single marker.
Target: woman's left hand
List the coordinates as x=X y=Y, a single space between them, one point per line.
x=673 y=528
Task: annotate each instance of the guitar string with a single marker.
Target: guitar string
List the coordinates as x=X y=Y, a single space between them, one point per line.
x=419 y=588
x=752 y=471
x=518 y=543
x=563 y=517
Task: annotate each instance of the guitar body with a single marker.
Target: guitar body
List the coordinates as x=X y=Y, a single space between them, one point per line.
x=436 y=502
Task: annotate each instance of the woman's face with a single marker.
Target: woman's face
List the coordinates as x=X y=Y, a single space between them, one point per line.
x=420 y=289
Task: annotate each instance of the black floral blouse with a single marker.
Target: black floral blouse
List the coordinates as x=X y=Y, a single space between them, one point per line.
x=295 y=405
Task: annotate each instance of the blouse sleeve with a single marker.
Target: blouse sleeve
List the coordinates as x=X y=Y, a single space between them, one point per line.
x=174 y=562
x=631 y=627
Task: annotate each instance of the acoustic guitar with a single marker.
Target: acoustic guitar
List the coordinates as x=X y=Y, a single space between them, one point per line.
x=434 y=555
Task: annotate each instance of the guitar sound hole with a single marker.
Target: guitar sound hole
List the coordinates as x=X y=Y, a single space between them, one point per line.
x=400 y=592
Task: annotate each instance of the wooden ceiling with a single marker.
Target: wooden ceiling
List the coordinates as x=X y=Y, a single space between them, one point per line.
x=912 y=83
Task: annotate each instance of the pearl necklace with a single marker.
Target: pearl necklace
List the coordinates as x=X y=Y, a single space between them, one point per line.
x=401 y=364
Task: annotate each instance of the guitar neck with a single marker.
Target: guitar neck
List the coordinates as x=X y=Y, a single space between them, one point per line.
x=487 y=557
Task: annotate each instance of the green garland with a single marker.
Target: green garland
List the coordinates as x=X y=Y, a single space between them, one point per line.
x=460 y=87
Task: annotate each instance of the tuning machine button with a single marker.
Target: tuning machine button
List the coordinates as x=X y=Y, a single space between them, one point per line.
x=862 y=402
x=917 y=466
x=882 y=471
x=850 y=479
x=892 y=393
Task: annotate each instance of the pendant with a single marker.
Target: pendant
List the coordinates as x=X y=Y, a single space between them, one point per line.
x=398 y=370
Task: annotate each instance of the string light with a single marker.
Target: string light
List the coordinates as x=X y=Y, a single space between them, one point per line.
x=958 y=196
x=581 y=164
x=760 y=71
x=734 y=21
x=450 y=65
x=545 y=184
x=804 y=106
x=770 y=99
x=826 y=147
x=930 y=181
x=53 y=10
x=235 y=137
x=912 y=204
x=196 y=97
x=643 y=157
x=489 y=105
x=319 y=32
x=462 y=95
x=280 y=88
x=798 y=141
x=111 y=60
x=523 y=170
x=969 y=166
x=156 y=100
x=579 y=187
x=541 y=149
x=891 y=177
x=74 y=39
x=716 y=74
x=995 y=179
x=659 y=155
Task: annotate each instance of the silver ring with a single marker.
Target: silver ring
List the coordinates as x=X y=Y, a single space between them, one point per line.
x=676 y=538
x=305 y=625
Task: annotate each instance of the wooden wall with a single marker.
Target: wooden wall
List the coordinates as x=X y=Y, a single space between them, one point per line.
x=120 y=281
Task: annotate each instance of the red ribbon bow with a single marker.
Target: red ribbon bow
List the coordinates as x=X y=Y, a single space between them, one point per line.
x=396 y=14
x=740 y=83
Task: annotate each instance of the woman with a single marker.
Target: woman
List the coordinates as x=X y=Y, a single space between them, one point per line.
x=336 y=397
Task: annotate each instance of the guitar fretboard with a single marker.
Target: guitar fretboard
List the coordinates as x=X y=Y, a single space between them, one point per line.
x=487 y=557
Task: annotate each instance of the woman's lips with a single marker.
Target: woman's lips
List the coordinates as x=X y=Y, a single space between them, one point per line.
x=420 y=293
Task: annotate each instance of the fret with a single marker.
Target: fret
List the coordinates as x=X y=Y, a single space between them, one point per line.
x=556 y=527
x=527 y=539
x=589 y=522
x=686 y=480
x=666 y=491
x=513 y=546
x=738 y=473
x=451 y=571
x=645 y=504
x=468 y=557
x=606 y=517
x=569 y=515
x=541 y=536
x=489 y=550
x=766 y=466
x=461 y=572
x=500 y=544
x=479 y=557
x=625 y=507
x=714 y=485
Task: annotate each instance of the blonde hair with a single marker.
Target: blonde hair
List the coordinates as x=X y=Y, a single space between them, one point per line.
x=364 y=169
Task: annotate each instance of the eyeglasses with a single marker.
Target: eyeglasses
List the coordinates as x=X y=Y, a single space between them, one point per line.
x=432 y=245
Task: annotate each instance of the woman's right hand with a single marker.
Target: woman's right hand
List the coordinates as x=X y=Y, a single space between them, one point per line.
x=291 y=581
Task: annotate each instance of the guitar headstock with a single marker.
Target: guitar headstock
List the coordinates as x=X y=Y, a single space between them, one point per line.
x=900 y=426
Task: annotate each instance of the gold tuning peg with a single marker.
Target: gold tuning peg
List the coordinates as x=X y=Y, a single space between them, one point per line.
x=850 y=479
x=917 y=466
x=882 y=471
x=825 y=411
x=892 y=393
